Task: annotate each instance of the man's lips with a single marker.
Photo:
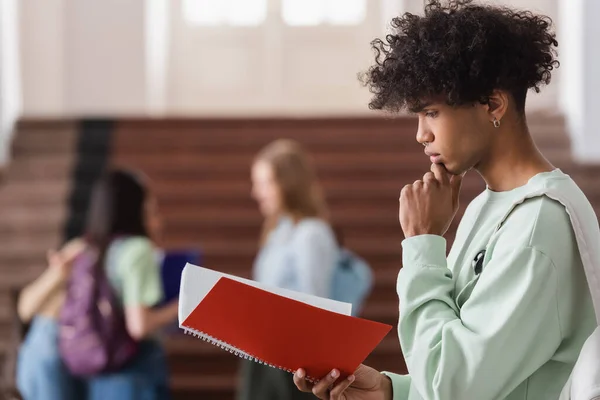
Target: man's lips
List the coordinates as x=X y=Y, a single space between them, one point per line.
x=434 y=157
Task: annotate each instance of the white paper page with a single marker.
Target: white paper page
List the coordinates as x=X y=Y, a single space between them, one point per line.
x=196 y=282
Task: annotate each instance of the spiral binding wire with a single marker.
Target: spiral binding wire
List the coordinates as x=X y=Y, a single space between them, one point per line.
x=234 y=350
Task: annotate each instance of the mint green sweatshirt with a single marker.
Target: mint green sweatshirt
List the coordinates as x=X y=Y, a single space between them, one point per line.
x=515 y=330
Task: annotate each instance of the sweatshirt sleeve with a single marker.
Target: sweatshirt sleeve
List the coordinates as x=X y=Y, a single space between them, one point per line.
x=454 y=353
x=400 y=385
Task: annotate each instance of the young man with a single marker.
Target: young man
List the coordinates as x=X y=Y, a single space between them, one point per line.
x=505 y=315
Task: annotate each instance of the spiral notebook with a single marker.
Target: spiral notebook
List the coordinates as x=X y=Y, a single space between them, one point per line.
x=275 y=327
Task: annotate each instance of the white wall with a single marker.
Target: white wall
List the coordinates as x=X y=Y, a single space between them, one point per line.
x=269 y=69
x=579 y=101
x=43 y=36
x=104 y=57
x=10 y=92
x=89 y=57
x=82 y=57
x=157 y=54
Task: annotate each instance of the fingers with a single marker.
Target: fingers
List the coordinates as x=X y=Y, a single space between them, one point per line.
x=53 y=256
x=417 y=184
x=337 y=391
x=70 y=252
x=440 y=173
x=429 y=178
x=405 y=190
x=301 y=383
x=321 y=389
x=408 y=190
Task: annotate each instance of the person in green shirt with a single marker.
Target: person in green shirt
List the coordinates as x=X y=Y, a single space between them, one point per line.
x=506 y=313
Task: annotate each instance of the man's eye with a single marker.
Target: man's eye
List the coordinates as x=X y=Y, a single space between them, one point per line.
x=431 y=114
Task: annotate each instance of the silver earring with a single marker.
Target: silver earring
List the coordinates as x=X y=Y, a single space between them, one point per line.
x=496 y=123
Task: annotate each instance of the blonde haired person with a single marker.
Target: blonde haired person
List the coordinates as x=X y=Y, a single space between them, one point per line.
x=298 y=249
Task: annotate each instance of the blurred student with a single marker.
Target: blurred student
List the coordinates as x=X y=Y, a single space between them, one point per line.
x=40 y=372
x=298 y=249
x=123 y=218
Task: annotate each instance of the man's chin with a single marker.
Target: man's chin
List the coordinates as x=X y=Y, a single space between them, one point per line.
x=447 y=168
x=454 y=170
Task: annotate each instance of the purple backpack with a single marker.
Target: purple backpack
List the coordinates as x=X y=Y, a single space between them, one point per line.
x=93 y=337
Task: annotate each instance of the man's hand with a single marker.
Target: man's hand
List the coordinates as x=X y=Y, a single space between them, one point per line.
x=365 y=384
x=428 y=206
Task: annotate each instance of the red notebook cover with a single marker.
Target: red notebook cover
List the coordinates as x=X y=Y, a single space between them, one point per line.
x=285 y=333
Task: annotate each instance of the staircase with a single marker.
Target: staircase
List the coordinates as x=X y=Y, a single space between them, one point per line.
x=200 y=172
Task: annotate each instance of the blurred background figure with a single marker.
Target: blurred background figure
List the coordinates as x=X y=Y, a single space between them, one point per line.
x=298 y=250
x=122 y=221
x=41 y=373
x=188 y=92
x=298 y=247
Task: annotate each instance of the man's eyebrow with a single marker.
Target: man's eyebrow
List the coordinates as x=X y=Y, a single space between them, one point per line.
x=419 y=107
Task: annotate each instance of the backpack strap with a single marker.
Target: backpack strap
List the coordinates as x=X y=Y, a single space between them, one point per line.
x=590 y=254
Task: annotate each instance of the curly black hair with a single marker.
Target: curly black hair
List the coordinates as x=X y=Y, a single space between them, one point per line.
x=460 y=52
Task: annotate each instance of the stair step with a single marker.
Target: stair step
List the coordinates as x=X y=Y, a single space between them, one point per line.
x=45 y=138
x=23 y=219
x=31 y=194
x=41 y=167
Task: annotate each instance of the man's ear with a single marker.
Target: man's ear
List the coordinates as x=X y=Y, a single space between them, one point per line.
x=497 y=105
